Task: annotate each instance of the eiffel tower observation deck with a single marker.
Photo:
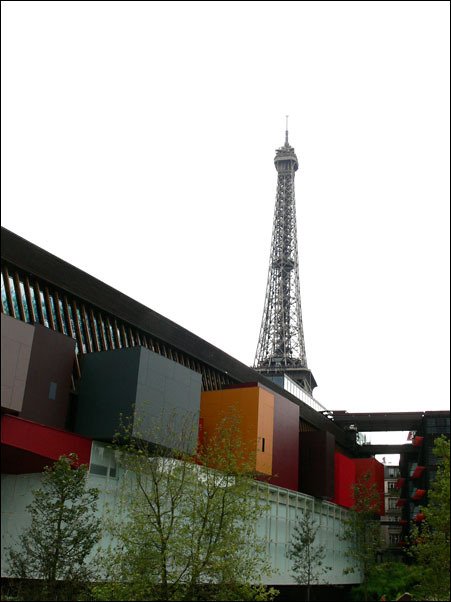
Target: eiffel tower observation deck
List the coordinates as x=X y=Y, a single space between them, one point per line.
x=281 y=347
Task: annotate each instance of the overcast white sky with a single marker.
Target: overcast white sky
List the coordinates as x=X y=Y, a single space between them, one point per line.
x=138 y=141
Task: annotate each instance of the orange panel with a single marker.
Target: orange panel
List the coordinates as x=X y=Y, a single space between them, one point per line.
x=254 y=409
x=265 y=430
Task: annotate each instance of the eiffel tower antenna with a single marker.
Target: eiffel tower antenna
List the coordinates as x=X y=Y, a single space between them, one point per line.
x=281 y=347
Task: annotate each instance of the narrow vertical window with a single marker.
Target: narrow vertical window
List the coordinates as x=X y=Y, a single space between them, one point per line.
x=44 y=309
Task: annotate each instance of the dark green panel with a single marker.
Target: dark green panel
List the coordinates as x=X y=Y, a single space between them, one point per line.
x=107 y=389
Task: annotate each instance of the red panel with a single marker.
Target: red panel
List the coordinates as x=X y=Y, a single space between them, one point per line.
x=418 y=494
x=35 y=443
x=418 y=472
x=285 y=458
x=400 y=482
x=417 y=441
x=376 y=471
x=344 y=480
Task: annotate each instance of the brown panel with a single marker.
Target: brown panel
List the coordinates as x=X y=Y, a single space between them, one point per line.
x=17 y=342
x=316 y=464
x=46 y=397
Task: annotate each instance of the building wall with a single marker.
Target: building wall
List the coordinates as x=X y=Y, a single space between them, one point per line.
x=345 y=476
x=376 y=472
x=391 y=532
x=276 y=526
x=17 y=340
x=285 y=459
x=316 y=464
x=254 y=408
x=46 y=397
x=37 y=365
x=28 y=446
x=161 y=397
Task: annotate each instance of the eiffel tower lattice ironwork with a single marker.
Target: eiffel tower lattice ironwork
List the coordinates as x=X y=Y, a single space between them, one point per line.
x=281 y=347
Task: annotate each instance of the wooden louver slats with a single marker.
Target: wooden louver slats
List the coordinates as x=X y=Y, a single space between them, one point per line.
x=31 y=313
x=9 y=298
x=37 y=296
x=19 y=297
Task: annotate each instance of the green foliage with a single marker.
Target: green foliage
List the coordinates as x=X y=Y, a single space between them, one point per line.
x=430 y=541
x=63 y=531
x=389 y=579
x=362 y=530
x=308 y=557
x=185 y=531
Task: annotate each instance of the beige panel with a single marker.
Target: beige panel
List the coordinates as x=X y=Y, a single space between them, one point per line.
x=17 y=340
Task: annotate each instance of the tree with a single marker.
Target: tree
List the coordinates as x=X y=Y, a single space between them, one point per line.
x=308 y=557
x=186 y=531
x=389 y=579
x=362 y=530
x=431 y=541
x=63 y=531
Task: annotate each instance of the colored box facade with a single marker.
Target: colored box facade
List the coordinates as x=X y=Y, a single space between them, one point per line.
x=37 y=365
x=160 y=396
x=254 y=408
x=316 y=464
x=285 y=458
x=345 y=475
x=376 y=471
x=28 y=446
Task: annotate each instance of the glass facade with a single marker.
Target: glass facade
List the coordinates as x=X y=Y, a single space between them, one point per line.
x=26 y=298
x=292 y=387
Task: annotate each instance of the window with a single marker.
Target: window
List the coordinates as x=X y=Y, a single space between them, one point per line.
x=52 y=390
x=103 y=461
x=392 y=503
x=393 y=538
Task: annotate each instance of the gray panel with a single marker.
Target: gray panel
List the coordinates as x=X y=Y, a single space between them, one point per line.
x=167 y=402
x=159 y=393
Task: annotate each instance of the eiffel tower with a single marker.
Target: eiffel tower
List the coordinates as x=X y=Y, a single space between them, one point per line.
x=281 y=347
